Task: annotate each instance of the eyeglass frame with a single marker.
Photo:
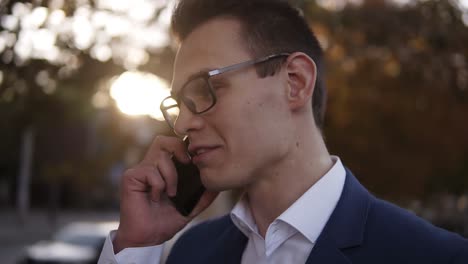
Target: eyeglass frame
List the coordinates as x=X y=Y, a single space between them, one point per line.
x=206 y=76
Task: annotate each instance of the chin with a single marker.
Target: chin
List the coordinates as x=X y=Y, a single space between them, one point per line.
x=213 y=181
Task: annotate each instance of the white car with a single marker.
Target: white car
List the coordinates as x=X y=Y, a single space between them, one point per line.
x=78 y=243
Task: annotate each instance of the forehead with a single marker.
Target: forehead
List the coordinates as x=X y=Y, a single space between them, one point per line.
x=213 y=44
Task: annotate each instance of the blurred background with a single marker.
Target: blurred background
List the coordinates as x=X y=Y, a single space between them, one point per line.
x=81 y=82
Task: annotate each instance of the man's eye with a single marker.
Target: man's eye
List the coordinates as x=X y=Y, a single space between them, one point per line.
x=190 y=104
x=200 y=90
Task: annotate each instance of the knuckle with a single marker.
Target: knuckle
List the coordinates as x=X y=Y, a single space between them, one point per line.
x=138 y=172
x=160 y=139
x=168 y=174
x=134 y=171
x=158 y=184
x=129 y=173
x=147 y=170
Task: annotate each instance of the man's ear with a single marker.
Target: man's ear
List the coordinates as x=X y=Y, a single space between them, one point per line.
x=301 y=73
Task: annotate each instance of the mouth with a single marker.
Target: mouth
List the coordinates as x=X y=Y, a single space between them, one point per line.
x=202 y=154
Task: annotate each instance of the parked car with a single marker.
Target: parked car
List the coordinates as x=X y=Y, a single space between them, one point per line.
x=77 y=243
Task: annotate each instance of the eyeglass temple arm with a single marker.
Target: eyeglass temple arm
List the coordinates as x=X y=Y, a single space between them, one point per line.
x=245 y=64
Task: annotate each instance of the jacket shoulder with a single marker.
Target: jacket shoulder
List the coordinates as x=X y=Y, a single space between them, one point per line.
x=396 y=230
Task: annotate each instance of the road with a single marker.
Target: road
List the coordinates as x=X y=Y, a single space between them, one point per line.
x=14 y=236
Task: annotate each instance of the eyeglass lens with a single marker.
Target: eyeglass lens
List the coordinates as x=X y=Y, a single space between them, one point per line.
x=196 y=95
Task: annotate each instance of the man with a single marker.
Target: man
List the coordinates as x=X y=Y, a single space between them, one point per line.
x=247 y=79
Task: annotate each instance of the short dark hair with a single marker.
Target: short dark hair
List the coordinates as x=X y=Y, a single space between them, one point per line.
x=268 y=27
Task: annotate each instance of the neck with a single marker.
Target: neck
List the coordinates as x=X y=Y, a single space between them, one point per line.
x=282 y=184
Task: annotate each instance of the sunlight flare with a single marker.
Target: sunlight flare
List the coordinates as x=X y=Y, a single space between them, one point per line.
x=138 y=93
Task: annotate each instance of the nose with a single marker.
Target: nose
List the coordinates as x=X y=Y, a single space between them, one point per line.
x=187 y=121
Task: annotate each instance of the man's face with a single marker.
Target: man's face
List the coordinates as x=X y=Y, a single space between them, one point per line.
x=245 y=135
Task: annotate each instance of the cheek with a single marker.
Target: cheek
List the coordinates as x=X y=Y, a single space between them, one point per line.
x=236 y=112
x=237 y=123
x=252 y=118
x=260 y=123
x=253 y=130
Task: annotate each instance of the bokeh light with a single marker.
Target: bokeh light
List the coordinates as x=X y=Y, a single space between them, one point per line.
x=139 y=93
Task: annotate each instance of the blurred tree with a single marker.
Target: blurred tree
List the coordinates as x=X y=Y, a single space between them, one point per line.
x=398 y=85
x=54 y=56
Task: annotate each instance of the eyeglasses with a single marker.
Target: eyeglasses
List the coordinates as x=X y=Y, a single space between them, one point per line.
x=198 y=93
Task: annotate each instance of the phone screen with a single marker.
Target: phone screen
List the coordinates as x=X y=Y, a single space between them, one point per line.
x=189 y=186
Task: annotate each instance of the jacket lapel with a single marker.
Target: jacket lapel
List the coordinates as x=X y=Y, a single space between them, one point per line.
x=327 y=253
x=344 y=229
x=229 y=246
x=346 y=225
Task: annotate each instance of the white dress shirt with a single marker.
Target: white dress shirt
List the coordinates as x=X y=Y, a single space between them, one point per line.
x=289 y=238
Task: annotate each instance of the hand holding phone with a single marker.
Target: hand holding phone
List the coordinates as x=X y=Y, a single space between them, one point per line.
x=147 y=216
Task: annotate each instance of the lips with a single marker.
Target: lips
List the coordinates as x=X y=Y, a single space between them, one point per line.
x=201 y=153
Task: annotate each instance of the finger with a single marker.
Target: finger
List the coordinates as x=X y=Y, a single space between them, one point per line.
x=206 y=200
x=146 y=179
x=166 y=146
x=169 y=174
x=157 y=184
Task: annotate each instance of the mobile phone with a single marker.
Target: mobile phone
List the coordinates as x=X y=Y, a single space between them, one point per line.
x=189 y=186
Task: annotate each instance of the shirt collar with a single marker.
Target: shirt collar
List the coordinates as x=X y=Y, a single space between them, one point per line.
x=308 y=214
x=242 y=217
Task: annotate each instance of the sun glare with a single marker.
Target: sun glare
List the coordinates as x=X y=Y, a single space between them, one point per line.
x=464 y=4
x=138 y=93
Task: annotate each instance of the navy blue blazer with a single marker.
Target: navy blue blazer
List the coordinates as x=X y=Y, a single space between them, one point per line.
x=361 y=229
